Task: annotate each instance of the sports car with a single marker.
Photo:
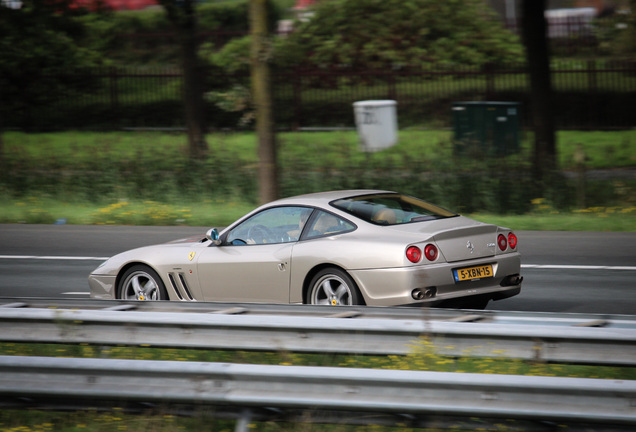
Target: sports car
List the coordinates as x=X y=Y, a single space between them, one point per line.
x=352 y=247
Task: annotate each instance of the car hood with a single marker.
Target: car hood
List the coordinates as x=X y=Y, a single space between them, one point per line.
x=152 y=255
x=193 y=239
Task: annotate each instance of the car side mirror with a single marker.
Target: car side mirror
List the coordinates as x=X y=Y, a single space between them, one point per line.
x=213 y=236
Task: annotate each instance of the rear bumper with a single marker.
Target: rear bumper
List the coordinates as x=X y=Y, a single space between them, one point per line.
x=394 y=286
x=513 y=291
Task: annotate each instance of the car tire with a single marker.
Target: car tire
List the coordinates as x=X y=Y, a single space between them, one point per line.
x=140 y=282
x=333 y=287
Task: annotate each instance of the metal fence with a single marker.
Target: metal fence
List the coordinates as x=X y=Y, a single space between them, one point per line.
x=424 y=399
x=249 y=393
x=597 y=341
x=362 y=396
x=587 y=95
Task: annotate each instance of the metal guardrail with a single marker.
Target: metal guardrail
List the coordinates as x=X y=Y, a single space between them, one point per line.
x=373 y=391
x=335 y=395
x=402 y=313
x=462 y=334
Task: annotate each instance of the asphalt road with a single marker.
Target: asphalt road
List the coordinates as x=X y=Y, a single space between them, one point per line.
x=590 y=272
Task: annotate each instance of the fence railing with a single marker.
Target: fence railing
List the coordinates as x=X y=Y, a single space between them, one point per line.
x=587 y=95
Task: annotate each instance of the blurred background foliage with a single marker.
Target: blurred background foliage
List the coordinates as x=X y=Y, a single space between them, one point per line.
x=118 y=171
x=354 y=34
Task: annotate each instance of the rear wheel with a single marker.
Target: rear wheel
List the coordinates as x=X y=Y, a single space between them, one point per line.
x=334 y=287
x=140 y=282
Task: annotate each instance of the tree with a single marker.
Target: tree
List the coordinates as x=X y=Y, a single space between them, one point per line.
x=262 y=99
x=380 y=34
x=37 y=42
x=534 y=26
x=182 y=15
x=373 y=34
x=362 y=34
x=626 y=43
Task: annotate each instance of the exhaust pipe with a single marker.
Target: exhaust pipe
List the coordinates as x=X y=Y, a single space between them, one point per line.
x=424 y=293
x=511 y=280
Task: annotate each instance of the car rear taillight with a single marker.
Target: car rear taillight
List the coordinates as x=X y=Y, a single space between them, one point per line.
x=431 y=252
x=512 y=240
x=414 y=254
x=502 y=242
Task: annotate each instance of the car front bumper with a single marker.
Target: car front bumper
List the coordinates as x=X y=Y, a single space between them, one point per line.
x=102 y=287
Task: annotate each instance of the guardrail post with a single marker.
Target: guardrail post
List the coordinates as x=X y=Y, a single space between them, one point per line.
x=242 y=424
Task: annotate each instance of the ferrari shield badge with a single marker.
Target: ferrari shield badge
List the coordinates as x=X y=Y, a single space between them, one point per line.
x=191 y=255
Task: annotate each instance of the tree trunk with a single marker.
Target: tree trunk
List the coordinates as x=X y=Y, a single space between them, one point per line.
x=182 y=15
x=193 y=98
x=534 y=28
x=2 y=167
x=262 y=97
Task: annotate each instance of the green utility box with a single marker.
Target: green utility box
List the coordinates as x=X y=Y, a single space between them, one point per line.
x=491 y=127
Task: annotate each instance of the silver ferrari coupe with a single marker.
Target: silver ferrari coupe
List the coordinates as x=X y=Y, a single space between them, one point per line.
x=354 y=247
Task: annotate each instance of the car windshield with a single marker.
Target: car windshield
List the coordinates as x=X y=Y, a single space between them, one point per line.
x=391 y=209
x=274 y=225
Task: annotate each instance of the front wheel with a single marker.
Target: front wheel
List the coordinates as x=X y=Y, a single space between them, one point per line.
x=334 y=287
x=140 y=282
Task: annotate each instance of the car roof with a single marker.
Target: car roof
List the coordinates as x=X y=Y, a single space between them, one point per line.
x=324 y=198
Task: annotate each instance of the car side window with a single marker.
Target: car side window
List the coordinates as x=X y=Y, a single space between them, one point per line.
x=325 y=224
x=270 y=226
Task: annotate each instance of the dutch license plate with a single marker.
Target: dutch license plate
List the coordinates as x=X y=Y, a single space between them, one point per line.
x=472 y=273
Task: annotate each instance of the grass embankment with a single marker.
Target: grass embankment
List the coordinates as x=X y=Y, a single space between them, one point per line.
x=144 y=178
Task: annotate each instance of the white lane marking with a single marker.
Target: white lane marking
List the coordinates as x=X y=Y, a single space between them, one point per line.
x=576 y=267
x=44 y=257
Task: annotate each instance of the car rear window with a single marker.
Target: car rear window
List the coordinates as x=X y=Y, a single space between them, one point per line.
x=391 y=209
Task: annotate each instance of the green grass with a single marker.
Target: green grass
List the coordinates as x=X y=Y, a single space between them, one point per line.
x=423 y=356
x=208 y=214
x=97 y=420
x=603 y=150
x=144 y=178
x=595 y=220
x=48 y=211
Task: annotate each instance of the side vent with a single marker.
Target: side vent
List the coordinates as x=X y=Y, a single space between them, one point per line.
x=180 y=286
x=184 y=284
x=174 y=286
